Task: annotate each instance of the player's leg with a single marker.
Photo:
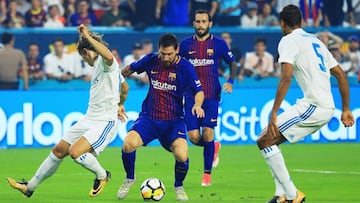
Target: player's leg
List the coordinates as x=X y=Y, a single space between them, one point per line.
x=85 y=149
x=47 y=168
x=208 y=125
x=179 y=149
x=132 y=141
x=208 y=153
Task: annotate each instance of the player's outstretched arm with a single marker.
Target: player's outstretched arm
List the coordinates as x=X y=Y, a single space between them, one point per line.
x=197 y=109
x=346 y=116
x=126 y=71
x=99 y=47
x=124 y=90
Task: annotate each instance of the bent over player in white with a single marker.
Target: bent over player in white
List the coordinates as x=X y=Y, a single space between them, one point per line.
x=91 y=134
x=309 y=61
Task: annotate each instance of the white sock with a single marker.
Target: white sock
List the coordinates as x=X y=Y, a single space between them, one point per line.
x=279 y=190
x=90 y=162
x=46 y=169
x=276 y=162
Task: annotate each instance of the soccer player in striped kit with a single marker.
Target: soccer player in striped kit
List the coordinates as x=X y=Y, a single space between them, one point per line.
x=85 y=140
x=162 y=114
x=306 y=58
x=205 y=51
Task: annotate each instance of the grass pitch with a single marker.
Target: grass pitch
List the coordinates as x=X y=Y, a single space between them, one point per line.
x=324 y=172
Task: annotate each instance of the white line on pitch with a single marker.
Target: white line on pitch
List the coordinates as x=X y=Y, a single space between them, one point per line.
x=327 y=172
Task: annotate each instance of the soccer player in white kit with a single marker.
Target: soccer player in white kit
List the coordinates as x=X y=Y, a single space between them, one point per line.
x=306 y=58
x=91 y=134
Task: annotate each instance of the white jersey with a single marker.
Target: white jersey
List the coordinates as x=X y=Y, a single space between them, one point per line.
x=104 y=91
x=311 y=62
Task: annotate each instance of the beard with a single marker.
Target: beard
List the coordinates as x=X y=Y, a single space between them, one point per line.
x=166 y=63
x=199 y=34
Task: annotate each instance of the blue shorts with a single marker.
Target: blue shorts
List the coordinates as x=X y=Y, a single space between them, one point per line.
x=210 y=107
x=165 y=131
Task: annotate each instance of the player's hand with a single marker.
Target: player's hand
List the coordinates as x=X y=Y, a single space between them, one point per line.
x=227 y=87
x=198 y=111
x=122 y=114
x=83 y=30
x=272 y=129
x=347 y=118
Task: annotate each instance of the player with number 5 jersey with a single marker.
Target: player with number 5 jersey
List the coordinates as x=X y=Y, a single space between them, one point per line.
x=306 y=58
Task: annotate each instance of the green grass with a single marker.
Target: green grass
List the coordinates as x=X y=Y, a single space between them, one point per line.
x=325 y=172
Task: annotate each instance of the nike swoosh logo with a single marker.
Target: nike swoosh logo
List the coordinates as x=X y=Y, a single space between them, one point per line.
x=213 y=120
x=154 y=72
x=181 y=133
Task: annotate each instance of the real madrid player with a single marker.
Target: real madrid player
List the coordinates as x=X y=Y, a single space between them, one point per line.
x=306 y=58
x=205 y=51
x=85 y=140
x=162 y=115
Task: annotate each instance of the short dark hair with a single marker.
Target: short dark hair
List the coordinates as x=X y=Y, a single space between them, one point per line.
x=203 y=11
x=7 y=37
x=260 y=40
x=291 y=15
x=167 y=40
x=33 y=44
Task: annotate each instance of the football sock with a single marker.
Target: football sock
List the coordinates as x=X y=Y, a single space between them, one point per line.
x=208 y=153
x=276 y=162
x=90 y=162
x=279 y=190
x=201 y=142
x=181 y=169
x=129 y=164
x=45 y=170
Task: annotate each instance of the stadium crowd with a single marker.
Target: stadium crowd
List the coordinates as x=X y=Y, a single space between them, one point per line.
x=140 y=14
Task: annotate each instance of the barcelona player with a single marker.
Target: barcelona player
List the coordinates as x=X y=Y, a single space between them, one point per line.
x=162 y=111
x=205 y=51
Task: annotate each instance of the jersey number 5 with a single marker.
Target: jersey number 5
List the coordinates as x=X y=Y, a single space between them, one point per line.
x=316 y=46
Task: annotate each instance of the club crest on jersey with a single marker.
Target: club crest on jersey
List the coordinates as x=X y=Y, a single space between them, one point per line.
x=191 y=52
x=210 y=52
x=172 y=76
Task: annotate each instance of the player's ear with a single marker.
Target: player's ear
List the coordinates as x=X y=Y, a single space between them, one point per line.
x=210 y=23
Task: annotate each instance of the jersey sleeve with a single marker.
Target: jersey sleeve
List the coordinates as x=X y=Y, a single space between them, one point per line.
x=107 y=68
x=142 y=64
x=288 y=50
x=226 y=53
x=330 y=61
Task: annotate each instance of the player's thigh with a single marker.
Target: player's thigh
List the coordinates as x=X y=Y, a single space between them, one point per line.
x=211 y=109
x=143 y=131
x=180 y=149
x=100 y=134
x=302 y=119
x=81 y=146
x=173 y=137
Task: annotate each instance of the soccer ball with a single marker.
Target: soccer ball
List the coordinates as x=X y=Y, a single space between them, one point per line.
x=152 y=189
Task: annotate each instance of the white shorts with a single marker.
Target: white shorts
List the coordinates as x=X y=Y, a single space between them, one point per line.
x=302 y=119
x=97 y=133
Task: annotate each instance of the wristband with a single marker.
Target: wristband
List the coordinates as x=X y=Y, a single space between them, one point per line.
x=231 y=81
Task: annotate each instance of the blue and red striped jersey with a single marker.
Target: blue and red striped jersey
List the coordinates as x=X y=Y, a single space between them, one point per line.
x=205 y=56
x=164 y=100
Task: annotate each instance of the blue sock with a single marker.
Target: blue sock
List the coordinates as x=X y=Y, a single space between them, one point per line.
x=209 y=149
x=181 y=169
x=201 y=142
x=129 y=163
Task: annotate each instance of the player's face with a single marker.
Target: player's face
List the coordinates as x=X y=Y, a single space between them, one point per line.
x=167 y=55
x=202 y=24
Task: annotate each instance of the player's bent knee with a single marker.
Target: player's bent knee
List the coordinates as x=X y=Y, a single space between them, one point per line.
x=60 y=151
x=129 y=146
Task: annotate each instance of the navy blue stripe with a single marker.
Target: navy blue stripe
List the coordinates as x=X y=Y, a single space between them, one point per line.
x=102 y=138
x=297 y=119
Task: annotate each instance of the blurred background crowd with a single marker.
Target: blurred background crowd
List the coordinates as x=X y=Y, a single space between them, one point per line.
x=62 y=62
